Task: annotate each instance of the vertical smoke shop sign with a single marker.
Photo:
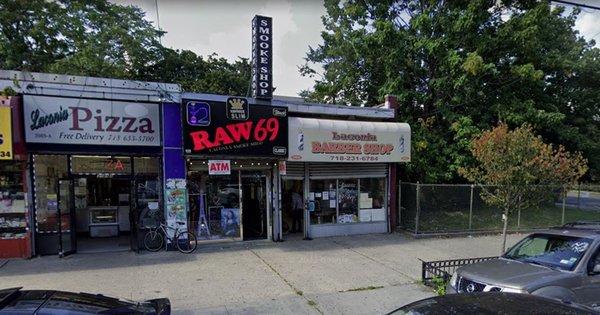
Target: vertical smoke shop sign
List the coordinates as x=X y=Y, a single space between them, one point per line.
x=235 y=128
x=96 y=122
x=262 y=57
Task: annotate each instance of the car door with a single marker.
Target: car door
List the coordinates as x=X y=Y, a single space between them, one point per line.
x=589 y=292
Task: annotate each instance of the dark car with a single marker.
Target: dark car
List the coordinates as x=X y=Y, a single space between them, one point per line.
x=17 y=301
x=491 y=303
x=561 y=263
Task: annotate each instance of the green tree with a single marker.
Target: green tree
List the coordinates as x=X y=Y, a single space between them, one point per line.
x=459 y=67
x=102 y=39
x=516 y=167
x=195 y=73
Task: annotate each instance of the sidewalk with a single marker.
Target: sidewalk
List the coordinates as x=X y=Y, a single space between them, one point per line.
x=369 y=274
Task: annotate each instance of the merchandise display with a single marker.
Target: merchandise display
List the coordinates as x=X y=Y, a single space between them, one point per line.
x=13 y=208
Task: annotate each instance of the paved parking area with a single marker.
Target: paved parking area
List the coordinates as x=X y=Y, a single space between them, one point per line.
x=368 y=274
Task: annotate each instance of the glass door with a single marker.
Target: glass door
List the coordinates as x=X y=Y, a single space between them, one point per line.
x=254 y=205
x=66 y=216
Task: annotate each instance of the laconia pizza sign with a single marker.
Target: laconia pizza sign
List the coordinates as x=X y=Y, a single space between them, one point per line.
x=59 y=120
x=324 y=140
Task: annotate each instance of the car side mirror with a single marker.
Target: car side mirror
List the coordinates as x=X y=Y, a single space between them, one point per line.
x=596 y=269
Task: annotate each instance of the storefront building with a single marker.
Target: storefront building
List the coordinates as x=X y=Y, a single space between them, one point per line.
x=15 y=234
x=344 y=168
x=94 y=160
x=285 y=168
x=232 y=147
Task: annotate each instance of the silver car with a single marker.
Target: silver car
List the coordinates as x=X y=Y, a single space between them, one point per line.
x=561 y=263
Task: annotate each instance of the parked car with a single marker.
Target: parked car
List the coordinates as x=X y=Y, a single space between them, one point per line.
x=18 y=301
x=491 y=303
x=561 y=263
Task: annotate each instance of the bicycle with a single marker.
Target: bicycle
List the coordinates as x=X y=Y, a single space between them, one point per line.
x=185 y=241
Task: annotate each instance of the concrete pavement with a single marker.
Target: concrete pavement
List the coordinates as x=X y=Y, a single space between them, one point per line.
x=368 y=274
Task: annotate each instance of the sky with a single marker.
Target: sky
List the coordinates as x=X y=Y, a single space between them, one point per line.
x=224 y=27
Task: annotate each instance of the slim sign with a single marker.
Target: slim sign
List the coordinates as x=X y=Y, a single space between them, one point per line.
x=262 y=57
x=6 y=152
x=219 y=167
x=62 y=120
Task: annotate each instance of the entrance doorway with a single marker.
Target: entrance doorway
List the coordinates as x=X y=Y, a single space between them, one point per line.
x=102 y=213
x=91 y=204
x=254 y=203
x=292 y=207
x=230 y=207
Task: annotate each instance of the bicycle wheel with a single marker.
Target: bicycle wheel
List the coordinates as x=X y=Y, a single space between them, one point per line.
x=153 y=241
x=187 y=242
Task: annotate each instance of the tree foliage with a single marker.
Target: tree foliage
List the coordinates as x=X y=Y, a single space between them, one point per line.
x=460 y=67
x=519 y=170
x=99 y=38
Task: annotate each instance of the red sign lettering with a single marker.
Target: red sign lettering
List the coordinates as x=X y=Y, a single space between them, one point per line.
x=236 y=133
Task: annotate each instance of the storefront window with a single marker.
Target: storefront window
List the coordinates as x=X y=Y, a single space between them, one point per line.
x=146 y=165
x=322 y=204
x=48 y=169
x=147 y=190
x=372 y=200
x=100 y=165
x=348 y=201
x=13 y=208
x=215 y=205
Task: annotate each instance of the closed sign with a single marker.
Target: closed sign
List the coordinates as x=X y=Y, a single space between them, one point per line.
x=219 y=167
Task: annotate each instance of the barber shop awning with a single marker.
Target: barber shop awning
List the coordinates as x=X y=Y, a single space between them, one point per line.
x=326 y=140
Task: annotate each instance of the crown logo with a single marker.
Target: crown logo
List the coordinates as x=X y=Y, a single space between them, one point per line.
x=236 y=103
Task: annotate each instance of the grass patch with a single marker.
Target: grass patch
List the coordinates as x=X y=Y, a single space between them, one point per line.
x=300 y=293
x=487 y=218
x=371 y=287
x=312 y=303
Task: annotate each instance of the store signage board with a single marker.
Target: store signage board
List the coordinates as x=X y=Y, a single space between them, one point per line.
x=6 y=145
x=262 y=57
x=225 y=132
x=219 y=167
x=322 y=140
x=60 y=120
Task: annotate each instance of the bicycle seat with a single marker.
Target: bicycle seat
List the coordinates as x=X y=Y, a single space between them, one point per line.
x=180 y=223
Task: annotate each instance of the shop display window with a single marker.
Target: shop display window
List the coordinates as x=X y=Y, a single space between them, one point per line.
x=148 y=189
x=13 y=207
x=48 y=169
x=322 y=201
x=215 y=205
x=347 y=200
x=372 y=200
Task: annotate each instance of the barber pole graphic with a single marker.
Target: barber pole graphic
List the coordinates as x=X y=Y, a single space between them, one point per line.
x=300 y=141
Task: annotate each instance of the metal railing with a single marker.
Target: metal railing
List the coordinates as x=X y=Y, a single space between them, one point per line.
x=444 y=269
x=444 y=209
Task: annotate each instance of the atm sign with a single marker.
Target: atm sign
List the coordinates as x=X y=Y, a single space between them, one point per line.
x=219 y=167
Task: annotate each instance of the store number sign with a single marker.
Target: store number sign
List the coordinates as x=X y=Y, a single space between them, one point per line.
x=5 y=134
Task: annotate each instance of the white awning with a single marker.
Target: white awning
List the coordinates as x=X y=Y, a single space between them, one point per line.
x=327 y=140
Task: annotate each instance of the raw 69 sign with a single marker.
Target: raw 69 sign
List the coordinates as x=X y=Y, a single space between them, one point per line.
x=235 y=128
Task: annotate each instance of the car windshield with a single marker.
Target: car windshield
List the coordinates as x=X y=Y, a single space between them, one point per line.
x=555 y=251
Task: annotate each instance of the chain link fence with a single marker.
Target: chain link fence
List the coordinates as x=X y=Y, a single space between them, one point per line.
x=438 y=209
